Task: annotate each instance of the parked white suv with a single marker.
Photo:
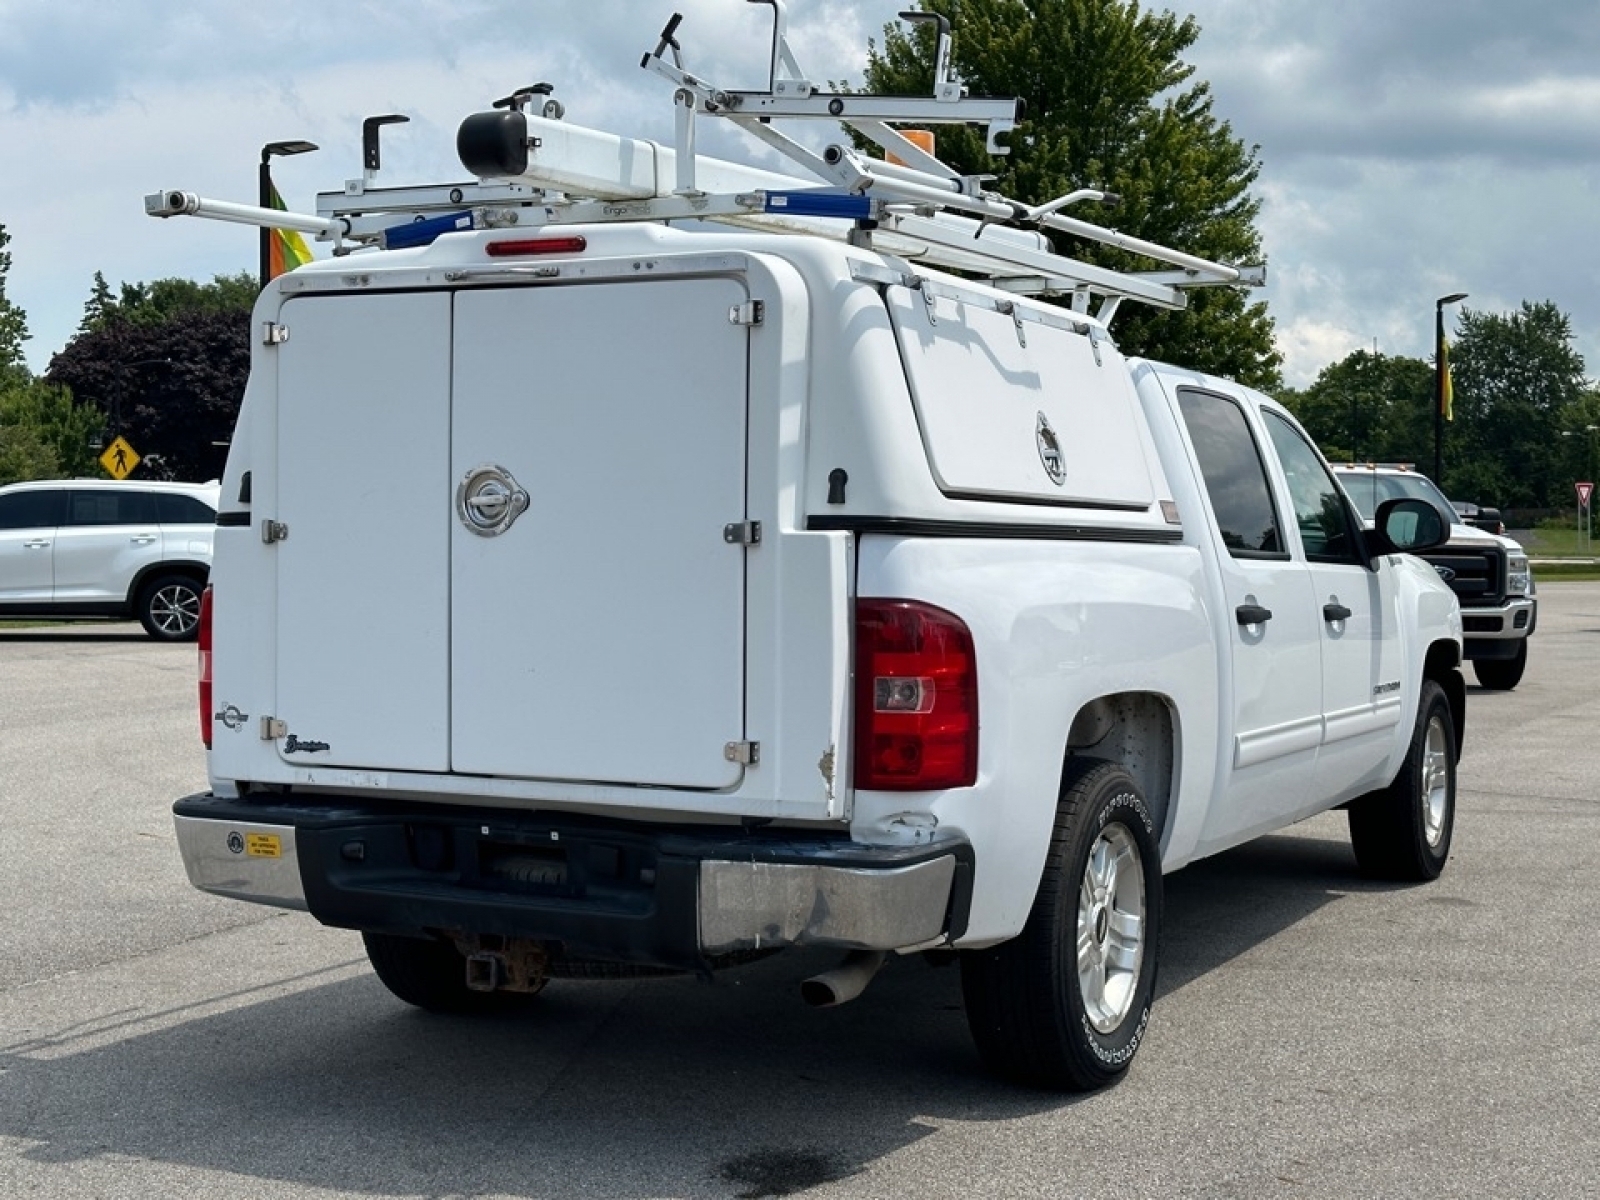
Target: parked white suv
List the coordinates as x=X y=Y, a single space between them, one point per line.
x=75 y=549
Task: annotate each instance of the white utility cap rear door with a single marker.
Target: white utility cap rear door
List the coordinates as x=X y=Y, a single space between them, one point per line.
x=360 y=489
x=597 y=610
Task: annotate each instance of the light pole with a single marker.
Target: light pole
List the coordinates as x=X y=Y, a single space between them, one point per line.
x=1355 y=442
x=1441 y=382
x=264 y=193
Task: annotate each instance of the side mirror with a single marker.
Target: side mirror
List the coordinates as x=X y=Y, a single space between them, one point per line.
x=1408 y=526
x=1489 y=520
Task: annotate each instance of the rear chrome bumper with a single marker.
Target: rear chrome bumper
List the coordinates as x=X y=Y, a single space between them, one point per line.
x=247 y=860
x=677 y=896
x=749 y=905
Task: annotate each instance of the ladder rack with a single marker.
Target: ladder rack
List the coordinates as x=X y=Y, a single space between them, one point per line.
x=533 y=169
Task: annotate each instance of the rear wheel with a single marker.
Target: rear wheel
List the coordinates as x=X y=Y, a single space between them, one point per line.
x=1065 y=1003
x=1502 y=674
x=432 y=974
x=169 y=607
x=1403 y=832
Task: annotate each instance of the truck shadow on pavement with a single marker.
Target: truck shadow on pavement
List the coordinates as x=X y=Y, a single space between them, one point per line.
x=634 y=1089
x=1220 y=907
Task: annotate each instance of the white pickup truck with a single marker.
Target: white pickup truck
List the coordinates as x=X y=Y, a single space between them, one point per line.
x=1489 y=572
x=617 y=595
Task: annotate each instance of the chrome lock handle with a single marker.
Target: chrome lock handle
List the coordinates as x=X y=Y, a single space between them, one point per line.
x=489 y=500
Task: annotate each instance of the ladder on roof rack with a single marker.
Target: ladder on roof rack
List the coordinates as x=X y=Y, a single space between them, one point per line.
x=923 y=180
x=534 y=169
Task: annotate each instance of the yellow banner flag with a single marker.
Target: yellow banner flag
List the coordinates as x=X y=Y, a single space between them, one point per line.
x=286 y=249
x=1447 y=392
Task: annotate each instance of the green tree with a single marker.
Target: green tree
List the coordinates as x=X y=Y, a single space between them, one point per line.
x=166 y=368
x=13 y=322
x=161 y=301
x=23 y=455
x=1110 y=103
x=1369 y=407
x=1579 y=448
x=43 y=434
x=100 y=307
x=1519 y=385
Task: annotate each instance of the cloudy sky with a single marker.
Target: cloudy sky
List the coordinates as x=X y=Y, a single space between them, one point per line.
x=1409 y=149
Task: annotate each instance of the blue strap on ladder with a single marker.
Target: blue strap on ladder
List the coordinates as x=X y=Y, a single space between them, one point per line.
x=423 y=233
x=819 y=204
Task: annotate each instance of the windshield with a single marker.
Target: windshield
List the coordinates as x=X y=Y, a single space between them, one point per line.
x=1369 y=489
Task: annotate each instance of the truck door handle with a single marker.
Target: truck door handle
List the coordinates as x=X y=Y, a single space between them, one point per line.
x=141 y=539
x=1252 y=614
x=36 y=545
x=1335 y=612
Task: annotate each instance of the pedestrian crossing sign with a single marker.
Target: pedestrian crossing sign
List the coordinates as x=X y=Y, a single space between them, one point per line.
x=120 y=459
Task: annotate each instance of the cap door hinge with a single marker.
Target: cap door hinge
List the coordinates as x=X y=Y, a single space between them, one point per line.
x=273 y=334
x=273 y=531
x=272 y=729
x=751 y=312
x=742 y=533
x=747 y=753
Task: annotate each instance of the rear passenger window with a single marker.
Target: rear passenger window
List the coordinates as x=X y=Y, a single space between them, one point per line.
x=176 y=509
x=1236 y=477
x=110 y=507
x=31 y=510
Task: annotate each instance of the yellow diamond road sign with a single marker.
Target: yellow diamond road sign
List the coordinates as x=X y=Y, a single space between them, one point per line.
x=120 y=459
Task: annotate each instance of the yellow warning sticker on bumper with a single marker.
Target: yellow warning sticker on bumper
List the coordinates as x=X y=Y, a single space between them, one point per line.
x=263 y=845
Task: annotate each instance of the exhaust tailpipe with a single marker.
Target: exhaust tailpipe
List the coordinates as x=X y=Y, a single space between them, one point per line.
x=845 y=982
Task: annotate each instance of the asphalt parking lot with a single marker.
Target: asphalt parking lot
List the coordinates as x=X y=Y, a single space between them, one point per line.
x=1316 y=1035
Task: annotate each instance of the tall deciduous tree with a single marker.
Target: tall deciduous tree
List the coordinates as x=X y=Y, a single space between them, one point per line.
x=154 y=303
x=13 y=322
x=1518 y=383
x=165 y=366
x=1369 y=407
x=1110 y=104
x=43 y=434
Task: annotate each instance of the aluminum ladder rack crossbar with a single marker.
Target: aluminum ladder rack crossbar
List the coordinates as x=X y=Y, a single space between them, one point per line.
x=534 y=169
x=919 y=178
x=174 y=203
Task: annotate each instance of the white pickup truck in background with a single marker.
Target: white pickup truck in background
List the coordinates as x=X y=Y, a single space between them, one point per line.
x=1489 y=572
x=601 y=591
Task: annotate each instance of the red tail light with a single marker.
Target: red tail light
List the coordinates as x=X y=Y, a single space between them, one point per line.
x=205 y=666
x=916 y=698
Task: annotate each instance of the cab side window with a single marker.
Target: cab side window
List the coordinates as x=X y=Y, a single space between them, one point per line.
x=1235 y=476
x=1319 y=507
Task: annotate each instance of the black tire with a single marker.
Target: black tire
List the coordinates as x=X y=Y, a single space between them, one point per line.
x=1040 y=1012
x=1403 y=832
x=432 y=975
x=1502 y=674
x=169 y=607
